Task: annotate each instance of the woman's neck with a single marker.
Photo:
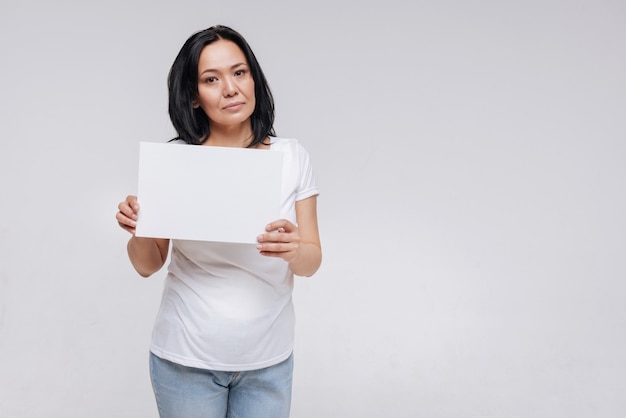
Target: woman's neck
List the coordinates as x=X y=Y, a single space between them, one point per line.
x=231 y=136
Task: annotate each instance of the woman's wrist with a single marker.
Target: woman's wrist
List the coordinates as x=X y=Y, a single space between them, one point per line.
x=307 y=261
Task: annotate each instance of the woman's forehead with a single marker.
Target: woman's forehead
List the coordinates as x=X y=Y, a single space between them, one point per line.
x=221 y=54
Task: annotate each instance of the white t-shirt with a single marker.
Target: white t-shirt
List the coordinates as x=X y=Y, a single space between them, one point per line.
x=225 y=306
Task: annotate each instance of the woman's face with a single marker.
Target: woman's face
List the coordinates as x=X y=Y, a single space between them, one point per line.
x=225 y=85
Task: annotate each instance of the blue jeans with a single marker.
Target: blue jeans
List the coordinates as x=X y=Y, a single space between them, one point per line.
x=188 y=392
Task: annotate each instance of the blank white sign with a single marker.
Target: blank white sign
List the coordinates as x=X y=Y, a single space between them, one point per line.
x=207 y=193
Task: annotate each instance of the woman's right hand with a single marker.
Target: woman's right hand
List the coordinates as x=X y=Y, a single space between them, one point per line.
x=127 y=215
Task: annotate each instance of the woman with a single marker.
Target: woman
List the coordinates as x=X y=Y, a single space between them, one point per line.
x=223 y=338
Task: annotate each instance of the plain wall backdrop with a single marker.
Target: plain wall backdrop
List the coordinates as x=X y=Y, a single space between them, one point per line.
x=471 y=158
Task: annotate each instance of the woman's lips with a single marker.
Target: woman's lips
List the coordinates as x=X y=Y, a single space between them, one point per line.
x=233 y=106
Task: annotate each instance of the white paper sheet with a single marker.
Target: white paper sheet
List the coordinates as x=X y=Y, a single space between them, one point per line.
x=207 y=193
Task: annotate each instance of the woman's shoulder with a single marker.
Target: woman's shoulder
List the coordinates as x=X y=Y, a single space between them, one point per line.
x=285 y=144
x=282 y=142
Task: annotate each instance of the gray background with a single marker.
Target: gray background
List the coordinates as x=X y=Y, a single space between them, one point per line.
x=471 y=157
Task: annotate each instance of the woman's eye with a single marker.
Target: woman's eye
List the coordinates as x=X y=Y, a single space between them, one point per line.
x=211 y=80
x=239 y=72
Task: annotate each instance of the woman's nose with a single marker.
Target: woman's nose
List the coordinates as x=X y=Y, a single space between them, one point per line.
x=230 y=88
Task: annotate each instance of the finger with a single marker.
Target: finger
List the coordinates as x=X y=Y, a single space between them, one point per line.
x=131 y=203
x=129 y=208
x=125 y=221
x=282 y=225
x=125 y=209
x=276 y=236
x=275 y=247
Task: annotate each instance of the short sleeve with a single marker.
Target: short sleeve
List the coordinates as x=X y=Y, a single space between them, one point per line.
x=307 y=186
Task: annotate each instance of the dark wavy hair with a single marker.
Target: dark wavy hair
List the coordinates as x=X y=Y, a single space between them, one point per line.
x=192 y=125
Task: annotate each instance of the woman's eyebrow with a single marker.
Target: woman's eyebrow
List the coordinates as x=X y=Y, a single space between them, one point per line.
x=232 y=67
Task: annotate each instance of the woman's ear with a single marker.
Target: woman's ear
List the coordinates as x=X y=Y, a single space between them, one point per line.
x=195 y=104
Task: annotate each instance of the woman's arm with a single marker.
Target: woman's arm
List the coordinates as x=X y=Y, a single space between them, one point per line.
x=308 y=260
x=298 y=245
x=147 y=255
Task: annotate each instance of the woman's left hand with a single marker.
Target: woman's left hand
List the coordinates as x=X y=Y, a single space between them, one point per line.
x=281 y=239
